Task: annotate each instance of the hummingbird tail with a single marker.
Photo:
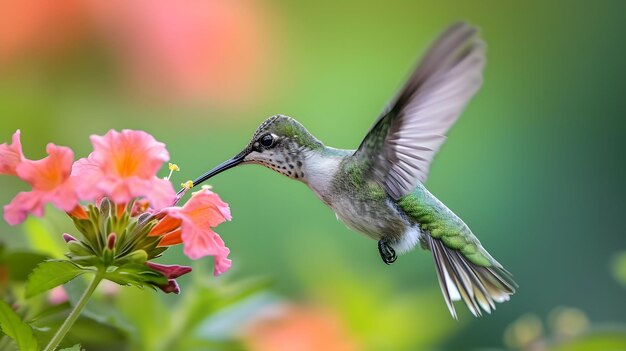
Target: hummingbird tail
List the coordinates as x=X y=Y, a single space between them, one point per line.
x=478 y=286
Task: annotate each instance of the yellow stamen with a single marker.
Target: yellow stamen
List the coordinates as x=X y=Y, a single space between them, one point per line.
x=173 y=167
x=187 y=185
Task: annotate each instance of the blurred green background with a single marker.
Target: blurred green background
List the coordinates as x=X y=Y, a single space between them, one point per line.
x=535 y=166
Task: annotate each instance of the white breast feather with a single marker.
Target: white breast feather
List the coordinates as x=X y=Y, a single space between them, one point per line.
x=408 y=241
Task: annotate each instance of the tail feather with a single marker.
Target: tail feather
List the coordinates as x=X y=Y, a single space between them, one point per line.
x=460 y=279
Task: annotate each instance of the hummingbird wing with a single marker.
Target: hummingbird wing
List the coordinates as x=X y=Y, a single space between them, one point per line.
x=404 y=140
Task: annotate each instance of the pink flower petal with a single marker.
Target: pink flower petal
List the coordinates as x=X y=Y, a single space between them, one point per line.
x=23 y=204
x=159 y=192
x=129 y=153
x=51 y=182
x=49 y=172
x=222 y=263
x=87 y=175
x=203 y=211
x=123 y=166
x=11 y=155
x=202 y=242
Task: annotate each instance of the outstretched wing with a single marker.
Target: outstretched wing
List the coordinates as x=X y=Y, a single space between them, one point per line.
x=404 y=140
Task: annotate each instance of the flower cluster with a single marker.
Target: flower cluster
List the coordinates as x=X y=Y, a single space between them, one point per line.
x=126 y=215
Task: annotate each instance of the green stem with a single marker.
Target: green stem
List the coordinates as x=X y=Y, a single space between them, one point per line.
x=71 y=318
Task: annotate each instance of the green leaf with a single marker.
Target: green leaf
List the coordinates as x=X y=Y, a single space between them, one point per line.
x=21 y=264
x=16 y=329
x=51 y=274
x=73 y=348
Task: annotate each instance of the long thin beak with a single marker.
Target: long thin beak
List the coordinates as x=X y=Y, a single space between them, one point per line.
x=219 y=169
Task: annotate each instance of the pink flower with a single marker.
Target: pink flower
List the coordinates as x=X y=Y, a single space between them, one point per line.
x=109 y=289
x=192 y=225
x=51 y=182
x=26 y=28
x=206 y=50
x=11 y=155
x=123 y=166
x=288 y=328
x=57 y=295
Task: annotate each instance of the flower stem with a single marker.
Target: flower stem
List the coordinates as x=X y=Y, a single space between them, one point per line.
x=71 y=318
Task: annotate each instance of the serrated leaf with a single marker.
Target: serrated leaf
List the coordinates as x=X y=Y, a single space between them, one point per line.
x=16 y=329
x=51 y=274
x=73 y=348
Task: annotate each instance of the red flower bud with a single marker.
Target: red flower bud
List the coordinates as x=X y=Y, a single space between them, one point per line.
x=111 y=241
x=170 y=287
x=169 y=271
x=68 y=238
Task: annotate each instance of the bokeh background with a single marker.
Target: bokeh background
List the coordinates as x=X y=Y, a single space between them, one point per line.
x=536 y=165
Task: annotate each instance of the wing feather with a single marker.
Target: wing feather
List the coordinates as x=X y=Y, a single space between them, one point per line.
x=404 y=140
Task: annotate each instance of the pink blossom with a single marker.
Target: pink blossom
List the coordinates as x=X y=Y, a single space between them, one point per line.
x=39 y=28
x=51 y=183
x=196 y=218
x=207 y=50
x=123 y=166
x=11 y=155
x=109 y=289
x=302 y=328
x=57 y=295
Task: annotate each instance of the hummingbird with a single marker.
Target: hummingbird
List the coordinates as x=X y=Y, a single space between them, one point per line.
x=378 y=189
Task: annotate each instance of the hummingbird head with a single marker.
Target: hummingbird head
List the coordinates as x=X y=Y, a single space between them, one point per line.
x=280 y=143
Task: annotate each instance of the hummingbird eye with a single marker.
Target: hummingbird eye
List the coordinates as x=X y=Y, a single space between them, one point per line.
x=267 y=140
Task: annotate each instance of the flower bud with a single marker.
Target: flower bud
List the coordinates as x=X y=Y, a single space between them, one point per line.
x=57 y=295
x=171 y=287
x=169 y=271
x=111 y=241
x=68 y=238
x=137 y=256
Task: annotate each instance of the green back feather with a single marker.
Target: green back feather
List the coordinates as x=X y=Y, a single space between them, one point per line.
x=437 y=220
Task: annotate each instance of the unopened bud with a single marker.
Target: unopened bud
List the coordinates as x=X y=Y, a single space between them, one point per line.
x=169 y=271
x=170 y=287
x=68 y=238
x=111 y=241
x=137 y=256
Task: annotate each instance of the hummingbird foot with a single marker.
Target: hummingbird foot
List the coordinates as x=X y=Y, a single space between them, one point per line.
x=387 y=253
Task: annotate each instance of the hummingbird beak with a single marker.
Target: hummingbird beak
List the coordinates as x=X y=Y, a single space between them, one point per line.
x=221 y=168
x=216 y=170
